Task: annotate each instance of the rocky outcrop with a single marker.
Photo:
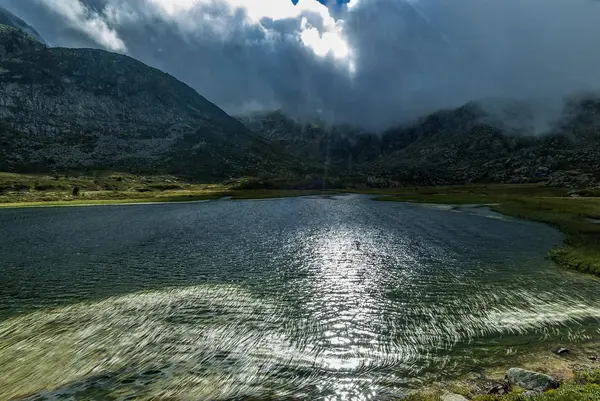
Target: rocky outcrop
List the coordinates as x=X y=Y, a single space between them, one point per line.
x=77 y=109
x=531 y=380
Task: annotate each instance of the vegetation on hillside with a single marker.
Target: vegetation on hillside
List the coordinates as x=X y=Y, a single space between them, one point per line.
x=585 y=386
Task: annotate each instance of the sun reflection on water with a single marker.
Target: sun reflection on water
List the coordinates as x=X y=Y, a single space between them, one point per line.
x=357 y=303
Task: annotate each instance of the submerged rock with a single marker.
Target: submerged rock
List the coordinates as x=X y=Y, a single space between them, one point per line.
x=531 y=380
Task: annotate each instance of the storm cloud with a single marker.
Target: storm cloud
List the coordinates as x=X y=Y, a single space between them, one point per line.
x=372 y=63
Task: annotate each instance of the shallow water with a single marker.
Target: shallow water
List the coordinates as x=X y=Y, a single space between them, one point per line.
x=336 y=298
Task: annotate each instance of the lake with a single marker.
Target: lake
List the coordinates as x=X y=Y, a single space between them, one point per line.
x=334 y=298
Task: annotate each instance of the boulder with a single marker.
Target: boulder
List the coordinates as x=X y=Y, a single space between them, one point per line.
x=531 y=380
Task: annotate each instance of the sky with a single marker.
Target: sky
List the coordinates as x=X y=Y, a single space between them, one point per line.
x=371 y=63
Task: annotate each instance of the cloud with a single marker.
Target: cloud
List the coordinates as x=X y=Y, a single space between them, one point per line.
x=368 y=62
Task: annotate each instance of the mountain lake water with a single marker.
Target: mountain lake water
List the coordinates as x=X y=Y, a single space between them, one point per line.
x=329 y=298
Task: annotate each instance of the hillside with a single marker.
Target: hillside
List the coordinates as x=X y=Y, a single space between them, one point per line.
x=9 y=19
x=89 y=110
x=338 y=146
x=83 y=109
x=456 y=146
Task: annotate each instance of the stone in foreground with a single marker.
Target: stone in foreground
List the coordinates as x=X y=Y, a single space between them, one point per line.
x=531 y=380
x=453 y=397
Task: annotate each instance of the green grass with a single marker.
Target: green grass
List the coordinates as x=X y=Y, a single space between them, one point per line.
x=37 y=190
x=567 y=392
x=584 y=387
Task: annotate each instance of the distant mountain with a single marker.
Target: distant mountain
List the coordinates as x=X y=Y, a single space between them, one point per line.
x=457 y=146
x=9 y=19
x=83 y=109
x=342 y=147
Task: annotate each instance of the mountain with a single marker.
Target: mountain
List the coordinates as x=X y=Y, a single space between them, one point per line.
x=456 y=146
x=84 y=109
x=9 y=19
x=340 y=147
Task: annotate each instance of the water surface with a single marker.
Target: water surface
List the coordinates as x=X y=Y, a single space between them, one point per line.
x=338 y=298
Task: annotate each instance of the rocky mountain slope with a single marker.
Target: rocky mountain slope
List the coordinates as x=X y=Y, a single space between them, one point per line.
x=455 y=146
x=9 y=19
x=339 y=146
x=77 y=109
x=460 y=146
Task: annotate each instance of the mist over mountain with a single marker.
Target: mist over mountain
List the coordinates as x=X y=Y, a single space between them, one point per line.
x=369 y=63
x=71 y=109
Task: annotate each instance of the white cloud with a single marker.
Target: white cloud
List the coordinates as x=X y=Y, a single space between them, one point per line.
x=372 y=62
x=90 y=22
x=327 y=40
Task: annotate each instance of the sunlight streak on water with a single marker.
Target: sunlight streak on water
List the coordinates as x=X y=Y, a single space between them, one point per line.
x=355 y=300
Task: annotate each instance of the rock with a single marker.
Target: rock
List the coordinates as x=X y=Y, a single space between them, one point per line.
x=453 y=397
x=499 y=389
x=562 y=351
x=530 y=393
x=531 y=380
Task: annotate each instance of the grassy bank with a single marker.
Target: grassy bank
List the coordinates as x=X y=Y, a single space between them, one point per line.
x=31 y=190
x=583 y=386
x=577 y=215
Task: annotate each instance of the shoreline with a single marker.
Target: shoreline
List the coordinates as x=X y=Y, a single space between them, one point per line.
x=576 y=217
x=573 y=370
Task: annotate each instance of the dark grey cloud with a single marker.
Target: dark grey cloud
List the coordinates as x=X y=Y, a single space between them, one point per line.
x=407 y=57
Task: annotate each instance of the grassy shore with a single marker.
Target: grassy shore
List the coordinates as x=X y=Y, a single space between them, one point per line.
x=31 y=190
x=583 y=386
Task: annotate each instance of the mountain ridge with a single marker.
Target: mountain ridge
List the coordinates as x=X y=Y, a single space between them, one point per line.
x=64 y=109
x=9 y=19
x=81 y=109
x=456 y=146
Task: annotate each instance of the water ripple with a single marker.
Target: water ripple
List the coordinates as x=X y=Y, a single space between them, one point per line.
x=308 y=298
